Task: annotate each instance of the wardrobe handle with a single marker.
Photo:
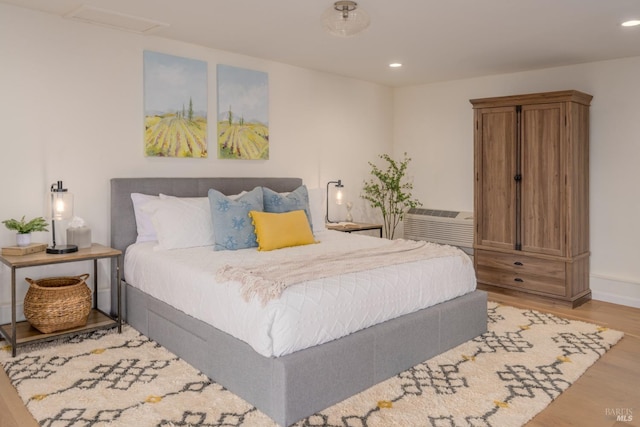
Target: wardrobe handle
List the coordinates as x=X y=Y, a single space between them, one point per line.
x=517 y=263
x=517 y=279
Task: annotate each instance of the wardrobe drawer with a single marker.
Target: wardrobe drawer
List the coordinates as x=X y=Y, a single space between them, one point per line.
x=521 y=264
x=532 y=282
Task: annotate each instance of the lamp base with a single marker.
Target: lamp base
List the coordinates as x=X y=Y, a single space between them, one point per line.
x=62 y=249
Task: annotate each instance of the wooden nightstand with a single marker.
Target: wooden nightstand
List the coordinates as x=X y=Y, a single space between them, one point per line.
x=22 y=333
x=350 y=227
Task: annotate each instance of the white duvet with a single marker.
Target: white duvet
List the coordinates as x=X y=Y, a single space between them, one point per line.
x=307 y=314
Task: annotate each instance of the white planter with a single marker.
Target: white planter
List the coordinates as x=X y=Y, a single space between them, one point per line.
x=23 y=239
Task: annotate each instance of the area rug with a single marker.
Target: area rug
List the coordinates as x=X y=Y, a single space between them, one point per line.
x=502 y=378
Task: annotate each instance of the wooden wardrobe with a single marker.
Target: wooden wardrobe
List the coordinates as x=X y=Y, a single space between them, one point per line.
x=532 y=195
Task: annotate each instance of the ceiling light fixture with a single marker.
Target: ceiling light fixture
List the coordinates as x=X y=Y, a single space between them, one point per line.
x=344 y=19
x=395 y=65
x=631 y=23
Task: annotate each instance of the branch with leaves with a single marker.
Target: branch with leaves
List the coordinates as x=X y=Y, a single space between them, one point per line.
x=24 y=227
x=387 y=191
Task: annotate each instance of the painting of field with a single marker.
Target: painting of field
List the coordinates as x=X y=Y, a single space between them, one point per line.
x=243 y=125
x=175 y=136
x=175 y=106
x=248 y=141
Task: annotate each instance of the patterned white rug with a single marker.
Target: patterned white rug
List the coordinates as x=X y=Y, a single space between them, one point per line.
x=501 y=379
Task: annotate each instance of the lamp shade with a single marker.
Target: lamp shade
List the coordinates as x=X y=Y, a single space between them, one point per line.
x=60 y=202
x=339 y=195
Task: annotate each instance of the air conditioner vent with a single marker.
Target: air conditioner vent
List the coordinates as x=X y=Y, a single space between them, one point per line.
x=115 y=20
x=440 y=226
x=434 y=212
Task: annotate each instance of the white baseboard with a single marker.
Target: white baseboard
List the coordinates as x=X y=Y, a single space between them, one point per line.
x=615 y=290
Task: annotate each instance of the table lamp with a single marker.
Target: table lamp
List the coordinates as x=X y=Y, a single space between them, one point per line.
x=338 y=195
x=60 y=207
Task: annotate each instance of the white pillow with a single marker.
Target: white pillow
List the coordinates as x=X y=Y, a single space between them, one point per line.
x=146 y=231
x=317 y=208
x=181 y=222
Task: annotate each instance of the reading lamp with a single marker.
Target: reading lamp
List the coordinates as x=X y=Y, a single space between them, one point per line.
x=60 y=207
x=339 y=186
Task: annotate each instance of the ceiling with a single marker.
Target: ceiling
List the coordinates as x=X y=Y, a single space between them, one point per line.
x=435 y=40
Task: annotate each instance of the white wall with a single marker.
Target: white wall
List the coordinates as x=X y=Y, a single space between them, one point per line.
x=72 y=110
x=434 y=124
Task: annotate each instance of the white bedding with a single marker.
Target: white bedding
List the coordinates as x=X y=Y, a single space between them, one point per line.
x=307 y=314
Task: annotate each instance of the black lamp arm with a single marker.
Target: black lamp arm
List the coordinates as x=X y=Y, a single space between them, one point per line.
x=53 y=233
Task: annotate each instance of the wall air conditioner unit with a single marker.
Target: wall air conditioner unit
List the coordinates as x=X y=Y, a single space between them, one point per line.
x=447 y=227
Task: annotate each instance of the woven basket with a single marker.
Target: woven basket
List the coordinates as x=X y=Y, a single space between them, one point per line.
x=57 y=303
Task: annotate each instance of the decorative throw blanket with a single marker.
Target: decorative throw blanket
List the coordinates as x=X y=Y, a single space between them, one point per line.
x=268 y=281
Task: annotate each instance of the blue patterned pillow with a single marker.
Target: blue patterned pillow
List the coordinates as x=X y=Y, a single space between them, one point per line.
x=297 y=200
x=232 y=226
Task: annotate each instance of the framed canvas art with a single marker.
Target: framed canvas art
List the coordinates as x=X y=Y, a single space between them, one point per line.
x=175 y=106
x=243 y=113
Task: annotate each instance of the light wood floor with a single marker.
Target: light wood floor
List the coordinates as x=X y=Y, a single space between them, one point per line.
x=612 y=383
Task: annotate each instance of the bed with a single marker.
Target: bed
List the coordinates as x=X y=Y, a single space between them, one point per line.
x=286 y=382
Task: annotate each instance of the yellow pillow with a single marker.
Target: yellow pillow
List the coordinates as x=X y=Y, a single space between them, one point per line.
x=281 y=230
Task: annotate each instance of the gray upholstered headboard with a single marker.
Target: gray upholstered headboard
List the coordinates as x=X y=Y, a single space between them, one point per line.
x=123 y=222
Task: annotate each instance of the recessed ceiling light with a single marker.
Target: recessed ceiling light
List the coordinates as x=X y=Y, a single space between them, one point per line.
x=631 y=23
x=395 y=65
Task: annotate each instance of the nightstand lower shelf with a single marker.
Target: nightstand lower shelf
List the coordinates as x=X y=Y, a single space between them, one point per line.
x=27 y=334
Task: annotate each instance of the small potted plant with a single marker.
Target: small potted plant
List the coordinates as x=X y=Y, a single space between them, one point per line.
x=25 y=228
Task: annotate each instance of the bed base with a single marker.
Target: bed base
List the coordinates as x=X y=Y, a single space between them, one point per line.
x=297 y=385
x=300 y=384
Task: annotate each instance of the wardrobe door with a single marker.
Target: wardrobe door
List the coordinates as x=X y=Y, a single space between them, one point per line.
x=496 y=165
x=543 y=192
